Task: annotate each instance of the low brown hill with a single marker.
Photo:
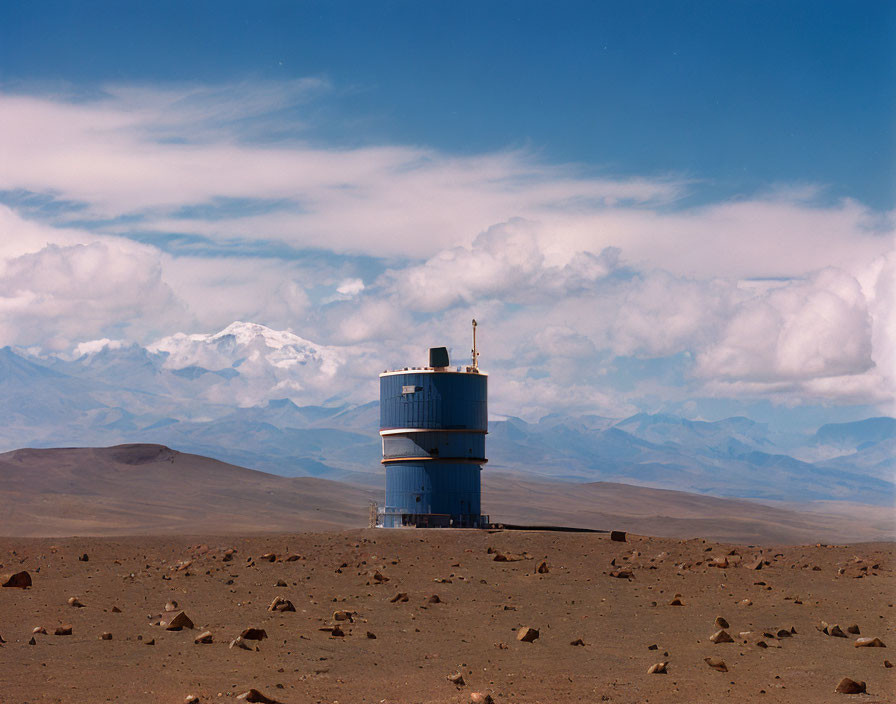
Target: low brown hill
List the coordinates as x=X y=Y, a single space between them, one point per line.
x=151 y=489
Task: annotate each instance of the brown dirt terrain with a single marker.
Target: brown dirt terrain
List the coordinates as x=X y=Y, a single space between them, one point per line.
x=471 y=630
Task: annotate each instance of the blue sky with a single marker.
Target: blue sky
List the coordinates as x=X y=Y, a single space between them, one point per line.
x=676 y=204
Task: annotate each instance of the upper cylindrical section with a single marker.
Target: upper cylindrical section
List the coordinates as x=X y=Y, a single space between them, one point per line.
x=434 y=400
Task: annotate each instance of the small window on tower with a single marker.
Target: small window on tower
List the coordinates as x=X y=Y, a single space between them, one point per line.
x=410 y=389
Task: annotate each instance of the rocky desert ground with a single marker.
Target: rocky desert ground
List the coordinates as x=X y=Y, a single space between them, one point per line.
x=444 y=616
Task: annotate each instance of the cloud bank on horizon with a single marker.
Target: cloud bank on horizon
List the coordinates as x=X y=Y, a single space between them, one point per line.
x=138 y=213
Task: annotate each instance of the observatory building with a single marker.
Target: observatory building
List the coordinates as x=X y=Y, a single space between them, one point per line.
x=433 y=422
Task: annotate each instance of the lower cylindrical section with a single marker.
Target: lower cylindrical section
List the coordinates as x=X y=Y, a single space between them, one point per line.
x=450 y=490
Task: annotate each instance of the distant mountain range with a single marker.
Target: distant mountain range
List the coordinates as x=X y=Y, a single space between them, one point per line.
x=231 y=396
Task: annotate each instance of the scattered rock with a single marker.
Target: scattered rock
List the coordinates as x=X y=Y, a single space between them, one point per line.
x=106 y=636
x=434 y=599
x=623 y=573
x=716 y=664
x=73 y=601
x=379 y=577
x=178 y=622
x=617 y=536
x=761 y=644
x=783 y=633
x=542 y=568
x=869 y=643
x=721 y=637
x=888 y=664
x=832 y=630
x=371 y=635
x=526 y=634
x=115 y=610
x=240 y=642
x=400 y=597
x=281 y=583
x=19 y=580
x=253 y=695
x=577 y=641
x=676 y=602
x=280 y=604
x=254 y=634
x=344 y=616
x=854 y=629
x=848 y=686
x=34 y=642
x=293 y=558
x=204 y=637
x=151 y=641
x=481 y=698
x=657 y=668
x=84 y=558
x=269 y=557
x=39 y=629
x=191 y=699
x=171 y=606
x=654 y=646
x=457 y=678
x=65 y=630
x=745 y=602
x=721 y=623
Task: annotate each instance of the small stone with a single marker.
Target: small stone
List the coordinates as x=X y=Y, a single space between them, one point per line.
x=19 y=580
x=623 y=573
x=73 y=601
x=784 y=633
x=204 y=637
x=745 y=602
x=434 y=599
x=151 y=641
x=761 y=644
x=106 y=636
x=253 y=695
x=542 y=568
x=457 y=678
x=379 y=577
x=293 y=558
x=653 y=647
x=481 y=698
x=178 y=622
x=854 y=629
x=371 y=635
x=34 y=642
x=716 y=664
x=240 y=642
x=721 y=636
x=269 y=557
x=526 y=634
x=577 y=641
x=832 y=630
x=657 y=668
x=721 y=623
x=84 y=558
x=280 y=604
x=617 y=536
x=254 y=634
x=676 y=602
x=65 y=630
x=848 y=686
x=116 y=610
x=888 y=664
x=39 y=629
x=281 y=583
x=191 y=699
x=171 y=606
x=400 y=597
x=869 y=643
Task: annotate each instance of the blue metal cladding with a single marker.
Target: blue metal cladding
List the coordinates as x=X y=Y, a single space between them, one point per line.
x=434 y=425
x=435 y=444
x=434 y=487
x=449 y=400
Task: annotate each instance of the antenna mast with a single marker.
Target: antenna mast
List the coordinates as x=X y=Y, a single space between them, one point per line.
x=475 y=364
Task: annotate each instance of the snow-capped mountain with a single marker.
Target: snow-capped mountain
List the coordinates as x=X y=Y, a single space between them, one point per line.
x=276 y=401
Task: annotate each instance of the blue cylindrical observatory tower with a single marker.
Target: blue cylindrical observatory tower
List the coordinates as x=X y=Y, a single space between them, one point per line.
x=433 y=422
